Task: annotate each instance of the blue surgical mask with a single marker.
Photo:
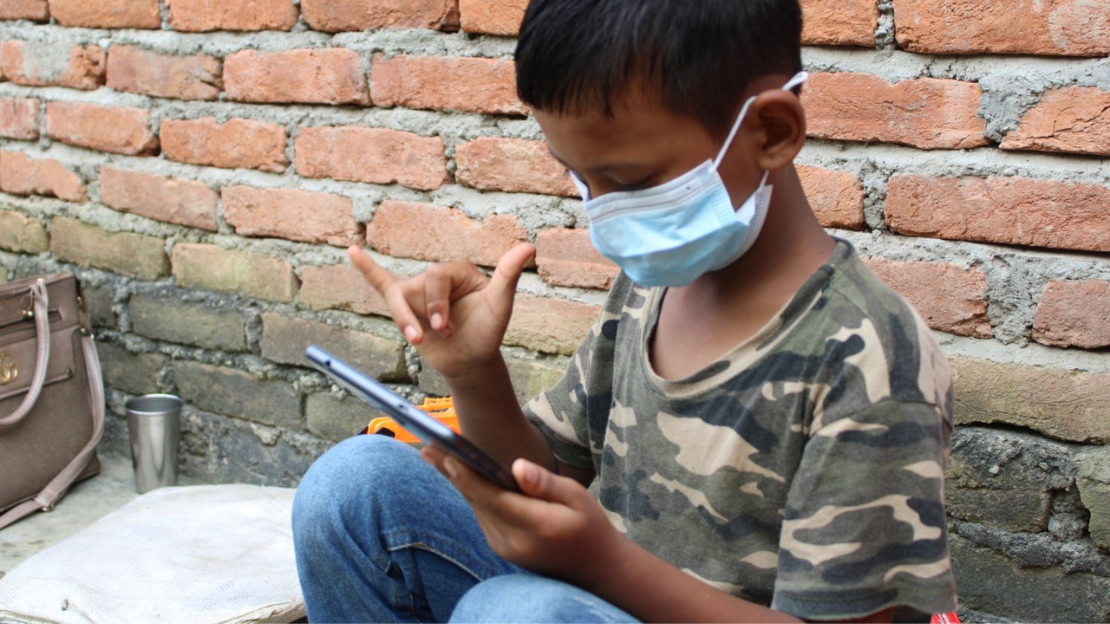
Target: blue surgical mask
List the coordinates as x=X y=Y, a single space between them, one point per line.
x=671 y=234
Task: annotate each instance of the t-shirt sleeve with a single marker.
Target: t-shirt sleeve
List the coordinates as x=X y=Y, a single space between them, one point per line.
x=864 y=526
x=560 y=413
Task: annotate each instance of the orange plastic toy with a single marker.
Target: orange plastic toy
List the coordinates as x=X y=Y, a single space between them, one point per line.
x=442 y=410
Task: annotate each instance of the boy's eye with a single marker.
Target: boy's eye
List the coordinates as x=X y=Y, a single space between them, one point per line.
x=634 y=186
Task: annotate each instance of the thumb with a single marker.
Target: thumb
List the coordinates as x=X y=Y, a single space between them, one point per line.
x=540 y=483
x=505 y=277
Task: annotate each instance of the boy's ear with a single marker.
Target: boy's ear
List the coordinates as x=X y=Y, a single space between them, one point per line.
x=781 y=130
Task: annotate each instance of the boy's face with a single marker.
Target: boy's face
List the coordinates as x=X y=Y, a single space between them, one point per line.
x=642 y=145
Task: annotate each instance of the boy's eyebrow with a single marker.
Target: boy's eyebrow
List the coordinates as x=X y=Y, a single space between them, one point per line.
x=596 y=170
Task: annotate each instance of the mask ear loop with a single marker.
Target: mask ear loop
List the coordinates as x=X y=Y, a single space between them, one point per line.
x=798 y=79
x=795 y=81
x=732 y=133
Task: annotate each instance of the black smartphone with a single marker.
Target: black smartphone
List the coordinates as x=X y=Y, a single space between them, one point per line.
x=421 y=425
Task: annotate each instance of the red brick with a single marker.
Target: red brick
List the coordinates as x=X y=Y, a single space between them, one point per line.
x=492 y=17
x=184 y=202
x=340 y=287
x=195 y=77
x=208 y=15
x=949 y=298
x=328 y=76
x=475 y=85
x=39 y=65
x=22 y=234
x=438 y=234
x=237 y=144
x=374 y=155
x=23 y=175
x=1012 y=211
x=840 y=22
x=35 y=10
x=566 y=257
x=346 y=15
x=1073 y=119
x=209 y=267
x=134 y=255
x=296 y=215
x=19 y=118
x=107 y=13
x=1062 y=404
x=928 y=113
x=1065 y=27
x=835 y=196
x=1074 y=314
x=549 y=325
x=513 y=165
x=102 y=128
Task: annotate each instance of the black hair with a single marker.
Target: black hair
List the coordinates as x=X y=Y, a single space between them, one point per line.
x=699 y=56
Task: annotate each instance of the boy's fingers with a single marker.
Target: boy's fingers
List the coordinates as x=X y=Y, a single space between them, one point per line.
x=395 y=298
x=444 y=282
x=378 y=278
x=507 y=274
x=540 y=483
x=503 y=508
x=403 y=315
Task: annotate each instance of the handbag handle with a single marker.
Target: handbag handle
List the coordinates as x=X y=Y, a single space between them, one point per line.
x=40 y=306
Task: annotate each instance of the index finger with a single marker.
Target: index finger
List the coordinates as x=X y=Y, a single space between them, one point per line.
x=379 y=278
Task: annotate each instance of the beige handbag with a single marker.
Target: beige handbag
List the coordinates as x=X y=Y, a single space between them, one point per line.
x=51 y=394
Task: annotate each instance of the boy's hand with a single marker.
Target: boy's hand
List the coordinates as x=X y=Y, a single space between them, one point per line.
x=452 y=313
x=557 y=529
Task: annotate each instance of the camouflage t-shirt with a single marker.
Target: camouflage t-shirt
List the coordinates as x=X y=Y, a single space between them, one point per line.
x=803 y=470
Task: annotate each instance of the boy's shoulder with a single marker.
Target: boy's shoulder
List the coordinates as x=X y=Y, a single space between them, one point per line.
x=843 y=315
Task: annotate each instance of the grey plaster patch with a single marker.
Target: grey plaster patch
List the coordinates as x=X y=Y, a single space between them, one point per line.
x=884 y=29
x=1069 y=520
x=1007 y=97
x=47 y=59
x=1006 y=479
x=417 y=41
x=995 y=583
x=981 y=162
x=1037 y=550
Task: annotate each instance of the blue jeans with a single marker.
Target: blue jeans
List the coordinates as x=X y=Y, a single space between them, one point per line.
x=381 y=536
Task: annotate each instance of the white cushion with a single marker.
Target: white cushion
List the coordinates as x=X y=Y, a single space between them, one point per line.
x=199 y=554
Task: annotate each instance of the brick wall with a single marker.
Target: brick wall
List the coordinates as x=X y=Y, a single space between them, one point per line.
x=201 y=165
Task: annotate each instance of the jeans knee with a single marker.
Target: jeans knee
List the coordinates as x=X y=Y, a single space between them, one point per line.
x=532 y=598
x=341 y=488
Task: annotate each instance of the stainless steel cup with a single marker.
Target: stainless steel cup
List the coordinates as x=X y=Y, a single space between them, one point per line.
x=154 y=422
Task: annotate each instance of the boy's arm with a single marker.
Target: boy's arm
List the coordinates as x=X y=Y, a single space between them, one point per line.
x=490 y=417
x=558 y=529
x=456 y=318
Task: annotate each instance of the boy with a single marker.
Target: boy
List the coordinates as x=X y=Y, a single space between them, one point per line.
x=761 y=424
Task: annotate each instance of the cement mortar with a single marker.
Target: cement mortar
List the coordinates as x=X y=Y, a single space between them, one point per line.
x=1037 y=550
x=884 y=29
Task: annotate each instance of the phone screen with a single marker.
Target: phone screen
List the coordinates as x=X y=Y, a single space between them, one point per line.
x=427 y=429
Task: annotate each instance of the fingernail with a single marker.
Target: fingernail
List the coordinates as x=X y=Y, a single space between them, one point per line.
x=437 y=320
x=531 y=475
x=450 y=467
x=410 y=333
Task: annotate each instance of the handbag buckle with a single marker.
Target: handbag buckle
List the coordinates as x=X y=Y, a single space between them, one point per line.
x=9 y=371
